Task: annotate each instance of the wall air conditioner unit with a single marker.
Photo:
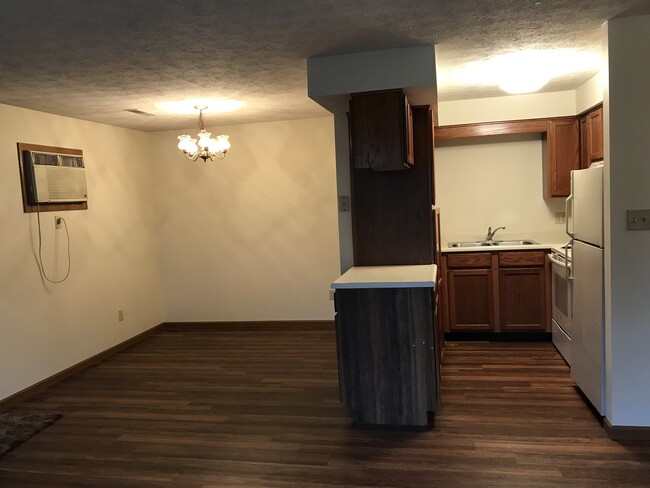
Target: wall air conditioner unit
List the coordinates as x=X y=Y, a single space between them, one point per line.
x=54 y=177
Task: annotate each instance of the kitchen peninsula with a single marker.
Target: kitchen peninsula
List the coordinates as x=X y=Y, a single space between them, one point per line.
x=387 y=344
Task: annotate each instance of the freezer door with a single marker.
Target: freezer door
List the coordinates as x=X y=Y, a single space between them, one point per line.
x=588 y=336
x=586 y=212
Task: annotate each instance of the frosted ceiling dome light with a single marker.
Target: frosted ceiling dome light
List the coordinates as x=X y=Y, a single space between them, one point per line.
x=188 y=107
x=523 y=72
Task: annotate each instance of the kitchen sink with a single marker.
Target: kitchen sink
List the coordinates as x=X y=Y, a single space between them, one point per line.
x=522 y=242
x=471 y=244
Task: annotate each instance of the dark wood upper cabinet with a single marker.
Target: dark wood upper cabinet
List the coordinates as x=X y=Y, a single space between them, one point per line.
x=584 y=153
x=591 y=137
x=595 y=151
x=381 y=131
x=391 y=210
x=563 y=155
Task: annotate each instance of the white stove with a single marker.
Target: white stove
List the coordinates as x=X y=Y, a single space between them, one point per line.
x=561 y=291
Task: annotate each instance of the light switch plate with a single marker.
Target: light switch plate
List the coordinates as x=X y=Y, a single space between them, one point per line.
x=638 y=219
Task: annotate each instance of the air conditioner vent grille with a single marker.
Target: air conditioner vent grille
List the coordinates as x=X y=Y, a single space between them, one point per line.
x=55 y=178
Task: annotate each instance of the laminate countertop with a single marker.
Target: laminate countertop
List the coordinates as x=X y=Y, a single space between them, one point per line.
x=414 y=276
x=528 y=247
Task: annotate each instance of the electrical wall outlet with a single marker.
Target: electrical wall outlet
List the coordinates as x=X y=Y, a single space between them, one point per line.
x=560 y=217
x=120 y=315
x=57 y=222
x=332 y=291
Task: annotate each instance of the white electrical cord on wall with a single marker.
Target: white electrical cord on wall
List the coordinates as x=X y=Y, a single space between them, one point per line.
x=40 y=245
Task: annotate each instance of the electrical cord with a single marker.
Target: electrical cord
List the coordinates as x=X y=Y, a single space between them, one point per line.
x=40 y=245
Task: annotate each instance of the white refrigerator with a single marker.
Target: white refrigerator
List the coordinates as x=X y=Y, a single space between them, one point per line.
x=585 y=227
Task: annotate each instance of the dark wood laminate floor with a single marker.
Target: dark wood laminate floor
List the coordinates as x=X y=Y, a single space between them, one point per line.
x=259 y=408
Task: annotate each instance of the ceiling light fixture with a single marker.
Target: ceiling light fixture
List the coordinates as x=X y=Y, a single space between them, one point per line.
x=206 y=147
x=523 y=72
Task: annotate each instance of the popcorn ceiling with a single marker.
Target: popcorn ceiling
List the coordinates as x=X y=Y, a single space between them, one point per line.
x=94 y=59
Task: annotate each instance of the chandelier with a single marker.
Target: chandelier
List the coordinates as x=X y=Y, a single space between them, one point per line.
x=206 y=147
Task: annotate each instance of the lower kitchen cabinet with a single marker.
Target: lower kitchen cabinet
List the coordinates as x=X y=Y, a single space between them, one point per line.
x=497 y=292
x=471 y=300
x=522 y=299
x=387 y=355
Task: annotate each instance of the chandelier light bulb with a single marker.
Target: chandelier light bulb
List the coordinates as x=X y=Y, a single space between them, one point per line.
x=204 y=139
x=223 y=143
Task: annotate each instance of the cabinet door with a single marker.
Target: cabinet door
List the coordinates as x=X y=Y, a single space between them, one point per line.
x=522 y=295
x=471 y=300
x=381 y=131
x=408 y=133
x=386 y=362
x=584 y=144
x=595 y=135
x=563 y=155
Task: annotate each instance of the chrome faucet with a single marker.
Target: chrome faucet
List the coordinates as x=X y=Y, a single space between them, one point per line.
x=490 y=233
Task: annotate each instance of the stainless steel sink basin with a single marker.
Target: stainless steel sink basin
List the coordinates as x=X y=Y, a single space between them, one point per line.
x=470 y=244
x=522 y=242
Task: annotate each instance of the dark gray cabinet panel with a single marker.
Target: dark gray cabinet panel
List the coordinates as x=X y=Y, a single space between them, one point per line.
x=388 y=367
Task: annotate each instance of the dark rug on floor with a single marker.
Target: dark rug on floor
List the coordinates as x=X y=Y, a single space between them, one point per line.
x=16 y=428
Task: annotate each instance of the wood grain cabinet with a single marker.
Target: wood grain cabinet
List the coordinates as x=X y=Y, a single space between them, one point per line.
x=391 y=210
x=381 y=131
x=562 y=155
x=522 y=291
x=497 y=292
x=470 y=292
x=471 y=300
x=388 y=355
x=591 y=137
x=568 y=143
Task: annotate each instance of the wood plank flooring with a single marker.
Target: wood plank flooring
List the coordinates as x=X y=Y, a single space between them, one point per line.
x=258 y=407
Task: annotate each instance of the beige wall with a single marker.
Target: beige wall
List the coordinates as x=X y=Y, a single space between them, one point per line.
x=511 y=107
x=495 y=181
x=253 y=236
x=590 y=93
x=46 y=328
x=627 y=269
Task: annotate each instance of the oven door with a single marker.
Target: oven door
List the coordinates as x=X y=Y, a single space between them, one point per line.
x=561 y=295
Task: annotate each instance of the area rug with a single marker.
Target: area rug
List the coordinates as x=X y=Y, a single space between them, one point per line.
x=17 y=428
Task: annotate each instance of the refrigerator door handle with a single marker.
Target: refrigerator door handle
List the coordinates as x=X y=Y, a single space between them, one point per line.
x=568 y=209
x=568 y=271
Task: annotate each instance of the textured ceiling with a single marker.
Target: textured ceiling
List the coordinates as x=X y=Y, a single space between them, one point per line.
x=95 y=59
